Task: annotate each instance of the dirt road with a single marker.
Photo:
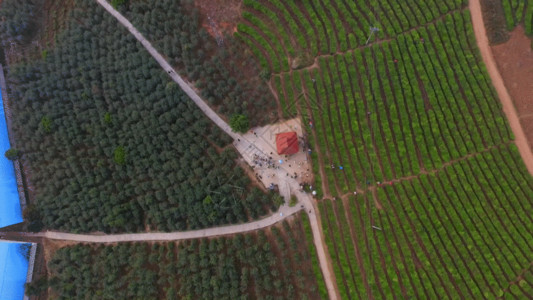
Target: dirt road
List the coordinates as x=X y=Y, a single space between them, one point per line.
x=497 y=81
x=483 y=45
x=284 y=211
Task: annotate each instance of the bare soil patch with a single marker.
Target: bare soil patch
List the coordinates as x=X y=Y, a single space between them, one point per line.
x=55 y=19
x=224 y=14
x=515 y=63
x=51 y=246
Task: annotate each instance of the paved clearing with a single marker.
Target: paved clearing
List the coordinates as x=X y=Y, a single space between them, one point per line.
x=259 y=150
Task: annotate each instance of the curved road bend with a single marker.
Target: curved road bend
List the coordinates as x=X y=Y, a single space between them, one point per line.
x=283 y=212
x=169 y=236
x=496 y=78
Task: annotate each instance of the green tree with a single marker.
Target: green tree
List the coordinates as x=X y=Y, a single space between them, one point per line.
x=46 y=124
x=119 y=155
x=18 y=19
x=239 y=123
x=293 y=201
x=36 y=287
x=116 y=3
x=12 y=154
x=278 y=200
x=265 y=74
x=107 y=118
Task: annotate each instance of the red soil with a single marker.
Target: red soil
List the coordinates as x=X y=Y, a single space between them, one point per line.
x=515 y=63
x=224 y=13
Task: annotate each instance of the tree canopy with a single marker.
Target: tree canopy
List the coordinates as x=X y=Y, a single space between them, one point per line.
x=18 y=19
x=119 y=155
x=226 y=74
x=150 y=165
x=239 y=123
x=12 y=154
x=269 y=264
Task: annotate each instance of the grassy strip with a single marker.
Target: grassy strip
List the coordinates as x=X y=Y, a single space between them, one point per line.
x=273 y=39
x=326 y=215
x=298 y=32
x=335 y=22
x=272 y=18
x=279 y=86
x=528 y=18
x=516 y=11
x=332 y=93
x=353 y=16
x=257 y=39
x=314 y=257
x=289 y=110
x=317 y=115
x=421 y=280
x=399 y=116
x=381 y=111
x=257 y=53
x=349 y=119
x=322 y=35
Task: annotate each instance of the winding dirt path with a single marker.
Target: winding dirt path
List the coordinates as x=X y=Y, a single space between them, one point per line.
x=283 y=213
x=497 y=81
x=305 y=200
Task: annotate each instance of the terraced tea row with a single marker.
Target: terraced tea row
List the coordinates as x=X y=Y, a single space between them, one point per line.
x=413 y=127
x=464 y=232
x=397 y=109
x=518 y=11
x=289 y=34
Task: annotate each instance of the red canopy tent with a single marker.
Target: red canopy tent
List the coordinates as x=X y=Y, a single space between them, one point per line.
x=287 y=143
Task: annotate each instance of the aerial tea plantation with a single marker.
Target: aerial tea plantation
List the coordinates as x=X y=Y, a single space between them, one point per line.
x=424 y=193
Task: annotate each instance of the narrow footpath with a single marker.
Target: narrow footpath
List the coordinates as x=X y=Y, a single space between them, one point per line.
x=497 y=82
x=305 y=201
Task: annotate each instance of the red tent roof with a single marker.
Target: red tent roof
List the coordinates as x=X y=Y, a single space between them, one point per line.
x=287 y=143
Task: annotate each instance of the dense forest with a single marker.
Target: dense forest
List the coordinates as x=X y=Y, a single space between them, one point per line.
x=219 y=66
x=269 y=264
x=113 y=145
x=18 y=20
